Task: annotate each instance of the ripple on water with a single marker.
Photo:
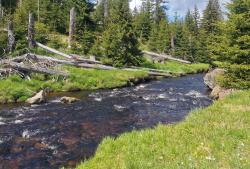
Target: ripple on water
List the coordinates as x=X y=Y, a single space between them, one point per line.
x=62 y=134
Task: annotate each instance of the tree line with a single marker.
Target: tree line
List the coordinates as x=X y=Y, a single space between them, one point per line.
x=110 y=30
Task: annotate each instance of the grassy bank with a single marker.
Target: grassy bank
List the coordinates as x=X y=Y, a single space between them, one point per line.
x=16 y=89
x=215 y=137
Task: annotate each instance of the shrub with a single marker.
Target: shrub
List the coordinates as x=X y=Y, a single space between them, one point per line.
x=237 y=76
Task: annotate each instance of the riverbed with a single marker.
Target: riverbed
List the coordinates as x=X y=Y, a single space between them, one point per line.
x=53 y=135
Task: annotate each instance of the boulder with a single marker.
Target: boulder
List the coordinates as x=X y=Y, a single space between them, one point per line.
x=68 y=100
x=220 y=93
x=210 y=77
x=226 y=92
x=38 y=98
x=215 y=92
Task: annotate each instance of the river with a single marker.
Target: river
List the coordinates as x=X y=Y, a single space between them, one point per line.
x=53 y=135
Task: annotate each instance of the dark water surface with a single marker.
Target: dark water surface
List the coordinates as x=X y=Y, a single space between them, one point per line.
x=54 y=134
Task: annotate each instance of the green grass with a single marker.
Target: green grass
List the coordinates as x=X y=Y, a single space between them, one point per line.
x=179 y=68
x=16 y=89
x=215 y=137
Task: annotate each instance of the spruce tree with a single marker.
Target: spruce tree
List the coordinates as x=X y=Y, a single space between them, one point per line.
x=211 y=16
x=119 y=42
x=239 y=31
x=196 y=16
x=190 y=22
x=143 y=21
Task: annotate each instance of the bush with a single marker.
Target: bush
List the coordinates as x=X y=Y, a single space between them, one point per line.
x=237 y=76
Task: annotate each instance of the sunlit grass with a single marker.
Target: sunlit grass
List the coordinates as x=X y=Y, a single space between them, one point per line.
x=16 y=89
x=216 y=137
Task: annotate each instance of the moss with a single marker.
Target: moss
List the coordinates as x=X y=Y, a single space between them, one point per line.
x=215 y=137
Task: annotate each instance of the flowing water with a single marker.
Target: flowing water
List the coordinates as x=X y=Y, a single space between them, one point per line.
x=53 y=135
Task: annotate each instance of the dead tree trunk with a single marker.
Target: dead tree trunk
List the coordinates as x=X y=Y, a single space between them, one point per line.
x=72 y=26
x=1 y=17
x=106 y=8
x=172 y=43
x=11 y=37
x=31 y=31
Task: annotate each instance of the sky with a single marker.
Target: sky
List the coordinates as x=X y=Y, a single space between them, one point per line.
x=181 y=6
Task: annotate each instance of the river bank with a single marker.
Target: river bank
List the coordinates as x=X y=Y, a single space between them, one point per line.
x=53 y=134
x=214 y=137
x=15 y=89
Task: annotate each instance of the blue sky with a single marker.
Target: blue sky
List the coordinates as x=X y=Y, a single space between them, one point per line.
x=181 y=6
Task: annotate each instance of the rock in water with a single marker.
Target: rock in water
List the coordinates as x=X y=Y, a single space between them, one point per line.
x=68 y=100
x=210 y=78
x=38 y=98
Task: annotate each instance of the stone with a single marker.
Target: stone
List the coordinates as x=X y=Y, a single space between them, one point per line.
x=226 y=92
x=38 y=98
x=215 y=92
x=69 y=100
x=220 y=93
x=210 y=77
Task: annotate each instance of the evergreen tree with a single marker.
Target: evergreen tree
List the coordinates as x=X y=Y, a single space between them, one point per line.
x=190 y=22
x=196 y=17
x=239 y=31
x=211 y=16
x=181 y=42
x=119 y=42
x=160 y=37
x=143 y=21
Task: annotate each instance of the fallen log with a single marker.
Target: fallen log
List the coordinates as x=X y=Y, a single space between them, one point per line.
x=79 y=59
x=165 y=57
x=22 y=67
x=5 y=71
x=38 y=58
x=84 y=60
x=151 y=73
x=53 y=50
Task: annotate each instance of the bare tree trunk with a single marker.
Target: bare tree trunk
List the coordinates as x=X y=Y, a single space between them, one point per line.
x=72 y=26
x=38 y=10
x=1 y=10
x=31 y=31
x=11 y=37
x=106 y=8
x=172 y=43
